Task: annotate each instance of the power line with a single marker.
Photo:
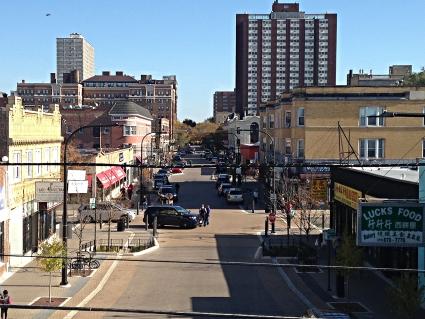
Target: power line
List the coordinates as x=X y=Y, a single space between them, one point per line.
x=406 y=164
x=148 y=311
x=236 y=263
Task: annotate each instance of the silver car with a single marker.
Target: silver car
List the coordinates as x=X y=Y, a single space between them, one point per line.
x=104 y=211
x=235 y=195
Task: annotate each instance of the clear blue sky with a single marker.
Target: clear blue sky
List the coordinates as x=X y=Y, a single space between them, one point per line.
x=194 y=39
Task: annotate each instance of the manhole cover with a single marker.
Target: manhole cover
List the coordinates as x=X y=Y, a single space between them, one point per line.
x=348 y=307
x=308 y=269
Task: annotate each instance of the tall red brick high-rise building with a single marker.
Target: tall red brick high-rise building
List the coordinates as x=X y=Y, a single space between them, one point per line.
x=281 y=50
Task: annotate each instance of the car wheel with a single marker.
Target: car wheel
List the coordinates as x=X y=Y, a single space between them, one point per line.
x=184 y=225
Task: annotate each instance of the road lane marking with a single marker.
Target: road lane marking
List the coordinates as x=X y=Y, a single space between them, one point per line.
x=102 y=283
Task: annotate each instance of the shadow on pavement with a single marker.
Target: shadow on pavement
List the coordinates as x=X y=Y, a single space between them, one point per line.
x=247 y=294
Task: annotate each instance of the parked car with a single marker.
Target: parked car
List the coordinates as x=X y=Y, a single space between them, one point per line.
x=223 y=187
x=103 y=211
x=164 y=171
x=235 y=195
x=176 y=170
x=170 y=216
x=160 y=180
x=177 y=158
x=222 y=178
x=168 y=189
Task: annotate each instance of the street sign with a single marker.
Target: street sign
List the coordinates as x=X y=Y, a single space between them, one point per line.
x=329 y=234
x=78 y=187
x=390 y=223
x=92 y=203
x=49 y=191
x=76 y=175
x=272 y=196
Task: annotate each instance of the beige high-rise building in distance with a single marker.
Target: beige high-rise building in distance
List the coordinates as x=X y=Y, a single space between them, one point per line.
x=74 y=53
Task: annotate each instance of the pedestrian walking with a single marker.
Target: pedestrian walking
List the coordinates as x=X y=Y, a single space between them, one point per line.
x=202 y=212
x=130 y=190
x=207 y=215
x=5 y=300
x=122 y=190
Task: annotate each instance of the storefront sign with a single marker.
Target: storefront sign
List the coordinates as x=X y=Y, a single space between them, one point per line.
x=394 y=224
x=49 y=191
x=319 y=190
x=77 y=187
x=347 y=195
x=76 y=175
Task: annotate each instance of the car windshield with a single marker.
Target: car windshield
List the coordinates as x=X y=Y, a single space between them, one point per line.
x=182 y=210
x=235 y=193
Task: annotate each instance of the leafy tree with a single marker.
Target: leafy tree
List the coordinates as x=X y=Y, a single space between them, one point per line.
x=189 y=122
x=405 y=297
x=416 y=79
x=51 y=248
x=348 y=255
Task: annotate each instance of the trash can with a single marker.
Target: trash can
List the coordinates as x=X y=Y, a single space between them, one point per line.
x=121 y=224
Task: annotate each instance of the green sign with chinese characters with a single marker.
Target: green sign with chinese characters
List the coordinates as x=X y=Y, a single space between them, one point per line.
x=394 y=224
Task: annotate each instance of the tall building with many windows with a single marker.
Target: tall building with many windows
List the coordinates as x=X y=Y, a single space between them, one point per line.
x=74 y=53
x=282 y=50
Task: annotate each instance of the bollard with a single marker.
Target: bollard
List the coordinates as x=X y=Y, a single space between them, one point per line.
x=266 y=227
x=253 y=206
x=147 y=222
x=155 y=225
x=273 y=228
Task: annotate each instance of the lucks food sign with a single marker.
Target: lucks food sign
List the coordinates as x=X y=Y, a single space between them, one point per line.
x=395 y=224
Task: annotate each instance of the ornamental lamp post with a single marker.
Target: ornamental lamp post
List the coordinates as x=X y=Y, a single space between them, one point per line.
x=64 y=281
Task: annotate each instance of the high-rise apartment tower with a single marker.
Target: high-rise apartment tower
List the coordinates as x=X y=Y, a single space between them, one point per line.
x=279 y=51
x=74 y=53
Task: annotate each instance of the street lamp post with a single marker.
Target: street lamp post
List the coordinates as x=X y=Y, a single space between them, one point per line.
x=141 y=164
x=274 y=162
x=64 y=281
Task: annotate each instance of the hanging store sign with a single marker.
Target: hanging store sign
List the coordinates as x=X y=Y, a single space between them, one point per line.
x=347 y=195
x=393 y=224
x=49 y=191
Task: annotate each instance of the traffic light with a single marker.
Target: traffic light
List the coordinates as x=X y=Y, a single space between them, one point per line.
x=238 y=130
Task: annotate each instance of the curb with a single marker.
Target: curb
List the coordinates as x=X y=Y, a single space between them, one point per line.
x=145 y=251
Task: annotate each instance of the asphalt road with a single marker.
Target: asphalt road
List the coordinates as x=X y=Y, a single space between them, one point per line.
x=231 y=236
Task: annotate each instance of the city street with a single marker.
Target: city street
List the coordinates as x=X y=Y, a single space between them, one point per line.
x=231 y=236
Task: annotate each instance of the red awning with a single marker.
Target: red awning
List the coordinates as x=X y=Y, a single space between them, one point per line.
x=103 y=179
x=118 y=172
x=113 y=179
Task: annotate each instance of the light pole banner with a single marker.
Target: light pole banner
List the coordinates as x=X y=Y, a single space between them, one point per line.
x=392 y=224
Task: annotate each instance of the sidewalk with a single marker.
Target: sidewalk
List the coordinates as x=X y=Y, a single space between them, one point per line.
x=368 y=290
x=26 y=284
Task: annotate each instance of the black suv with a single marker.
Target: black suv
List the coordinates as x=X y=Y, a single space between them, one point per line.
x=171 y=216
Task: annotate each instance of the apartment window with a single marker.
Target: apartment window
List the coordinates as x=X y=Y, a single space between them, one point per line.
x=288 y=117
x=38 y=160
x=129 y=130
x=288 y=150
x=271 y=120
x=367 y=111
x=106 y=130
x=55 y=159
x=96 y=131
x=29 y=167
x=46 y=159
x=300 y=148
x=371 y=148
x=300 y=116
x=263 y=122
x=17 y=168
